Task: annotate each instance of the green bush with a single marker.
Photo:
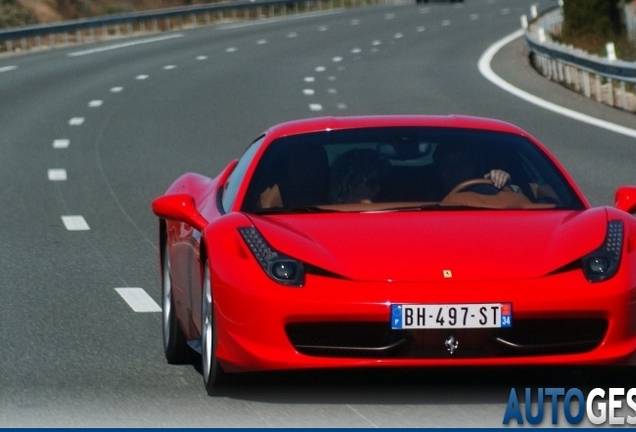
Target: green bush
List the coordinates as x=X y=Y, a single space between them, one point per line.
x=591 y=17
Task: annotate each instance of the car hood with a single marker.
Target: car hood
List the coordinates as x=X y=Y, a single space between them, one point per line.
x=411 y=246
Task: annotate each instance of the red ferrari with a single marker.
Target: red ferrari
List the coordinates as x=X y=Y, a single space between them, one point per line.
x=368 y=242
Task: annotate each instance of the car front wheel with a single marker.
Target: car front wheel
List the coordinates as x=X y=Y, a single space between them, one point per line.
x=174 y=343
x=213 y=374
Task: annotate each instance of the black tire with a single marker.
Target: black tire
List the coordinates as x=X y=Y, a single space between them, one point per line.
x=213 y=374
x=175 y=346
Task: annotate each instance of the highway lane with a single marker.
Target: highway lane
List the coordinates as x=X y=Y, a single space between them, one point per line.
x=74 y=353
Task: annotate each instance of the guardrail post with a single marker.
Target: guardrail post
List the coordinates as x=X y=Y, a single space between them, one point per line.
x=599 y=96
x=587 y=85
x=623 y=95
x=560 y=71
x=23 y=42
x=577 y=79
x=610 y=86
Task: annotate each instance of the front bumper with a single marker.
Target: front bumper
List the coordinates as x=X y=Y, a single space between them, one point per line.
x=335 y=323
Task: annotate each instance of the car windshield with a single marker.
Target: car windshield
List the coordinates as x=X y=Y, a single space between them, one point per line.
x=380 y=169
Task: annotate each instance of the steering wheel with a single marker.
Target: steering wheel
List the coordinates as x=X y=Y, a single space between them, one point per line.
x=481 y=186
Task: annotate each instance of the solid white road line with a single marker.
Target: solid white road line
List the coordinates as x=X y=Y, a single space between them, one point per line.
x=7 y=68
x=123 y=45
x=138 y=299
x=75 y=223
x=57 y=174
x=487 y=72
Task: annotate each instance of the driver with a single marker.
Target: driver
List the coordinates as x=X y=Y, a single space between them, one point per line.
x=455 y=164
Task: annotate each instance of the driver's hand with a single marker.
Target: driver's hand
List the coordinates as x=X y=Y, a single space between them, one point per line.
x=498 y=177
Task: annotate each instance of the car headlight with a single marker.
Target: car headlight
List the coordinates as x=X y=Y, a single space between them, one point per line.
x=603 y=263
x=279 y=267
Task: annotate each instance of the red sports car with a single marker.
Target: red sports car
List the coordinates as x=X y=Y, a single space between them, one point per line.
x=394 y=241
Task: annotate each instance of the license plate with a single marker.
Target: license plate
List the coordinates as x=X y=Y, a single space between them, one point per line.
x=450 y=316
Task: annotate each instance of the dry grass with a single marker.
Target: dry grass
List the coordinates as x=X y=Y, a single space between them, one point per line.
x=15 y=13
x=595 y=44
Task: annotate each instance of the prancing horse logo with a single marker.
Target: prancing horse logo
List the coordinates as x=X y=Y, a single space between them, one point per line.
x=451 y=344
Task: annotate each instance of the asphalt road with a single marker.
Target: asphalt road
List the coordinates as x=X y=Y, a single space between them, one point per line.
x=95 y=132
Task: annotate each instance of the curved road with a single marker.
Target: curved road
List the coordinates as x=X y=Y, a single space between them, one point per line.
x=90 y=134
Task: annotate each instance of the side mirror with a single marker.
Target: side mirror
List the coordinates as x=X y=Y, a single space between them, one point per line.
x=625 y=199
x=179 y=207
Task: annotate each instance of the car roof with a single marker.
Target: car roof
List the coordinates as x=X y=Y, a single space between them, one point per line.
x=356 y=122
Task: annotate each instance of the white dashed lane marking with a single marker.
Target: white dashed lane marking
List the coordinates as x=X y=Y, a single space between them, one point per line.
x=231 y=49
x=202 y=57
x=138 y=299
x=116 y=89
x=95 y=103
x=57 y=174
x=141 y=77
x=75 y=223
x=76 y=121
x=261 y=42
x=61 y=143
x=169 y=67
x=315 y=107
x=308 y=92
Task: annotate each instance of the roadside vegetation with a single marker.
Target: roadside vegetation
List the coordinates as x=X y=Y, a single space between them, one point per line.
x=588 y=24
x=591 y=24
x=17 y=13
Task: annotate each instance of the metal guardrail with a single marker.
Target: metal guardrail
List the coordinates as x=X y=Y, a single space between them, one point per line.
x=108 y=27
x=608 y=80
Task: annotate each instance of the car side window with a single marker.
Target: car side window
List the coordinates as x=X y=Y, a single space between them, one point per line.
x=235 y=179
